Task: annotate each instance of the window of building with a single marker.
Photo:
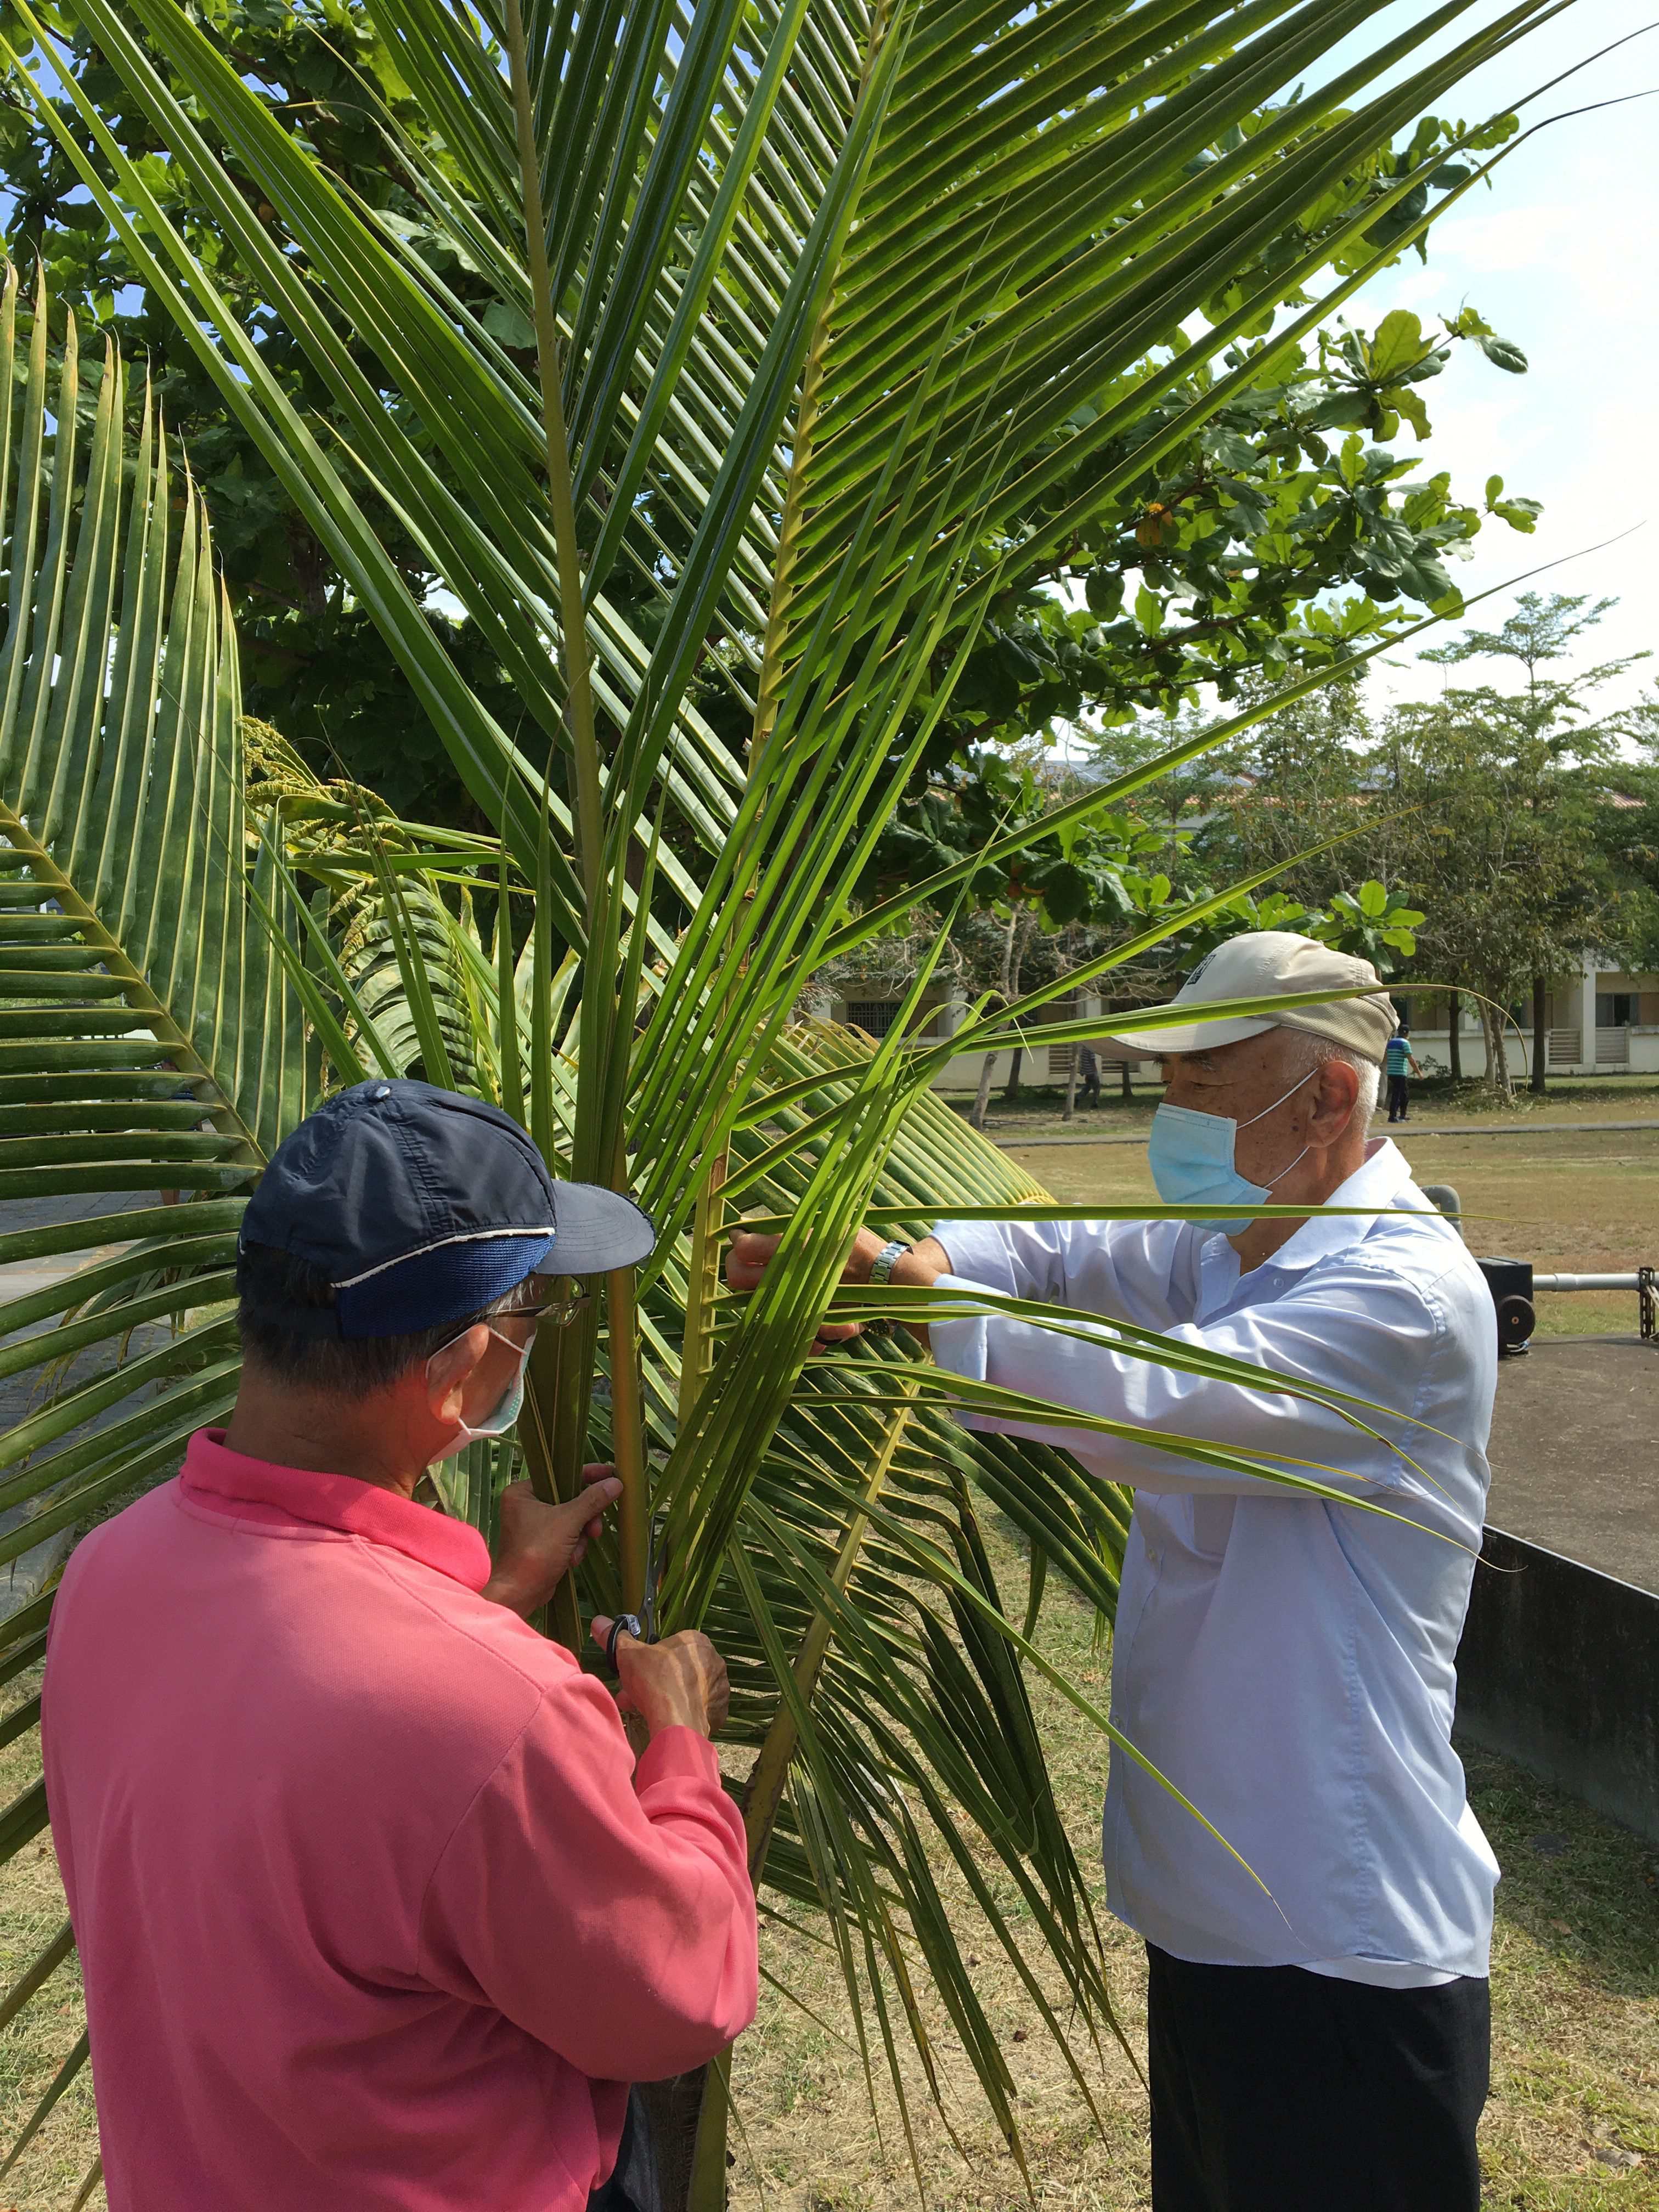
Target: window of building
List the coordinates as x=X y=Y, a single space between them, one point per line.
x=1614 y=1010
x=875 y=1016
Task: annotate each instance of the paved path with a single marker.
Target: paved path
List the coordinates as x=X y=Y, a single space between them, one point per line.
x=19 y=1277
x=1575 y=1452
x=1012 y=1142
x=22 y=1395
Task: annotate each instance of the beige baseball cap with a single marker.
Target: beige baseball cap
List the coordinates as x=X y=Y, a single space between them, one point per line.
x=1258 y=963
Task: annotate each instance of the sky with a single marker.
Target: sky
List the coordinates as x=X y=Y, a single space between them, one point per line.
x=1561 y=256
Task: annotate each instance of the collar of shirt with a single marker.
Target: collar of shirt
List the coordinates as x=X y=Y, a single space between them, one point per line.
x=1379 y=1180
x=218 y=1480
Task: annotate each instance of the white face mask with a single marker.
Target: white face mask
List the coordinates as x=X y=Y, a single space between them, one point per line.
x=506 y=1409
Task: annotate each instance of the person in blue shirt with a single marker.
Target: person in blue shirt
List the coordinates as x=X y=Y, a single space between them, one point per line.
x=1318 y=2016
x=1399 y=1062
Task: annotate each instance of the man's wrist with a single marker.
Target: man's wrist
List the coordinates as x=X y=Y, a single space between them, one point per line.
x=882 y=1267
x=921 y=1266
x=673 y=1717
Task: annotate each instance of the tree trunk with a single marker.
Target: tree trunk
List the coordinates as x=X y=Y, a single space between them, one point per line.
x=1013 y=954
x=1071 y=1085
x=1128 y=1093
x=671 y=2108
x=1540 y=1033
x=1497 y=1059
x=1455 y=1035
x=983 y=1100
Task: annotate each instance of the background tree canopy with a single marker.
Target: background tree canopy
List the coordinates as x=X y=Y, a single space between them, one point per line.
x=1491 y=836
x=1271 y=541
x=1502 y=810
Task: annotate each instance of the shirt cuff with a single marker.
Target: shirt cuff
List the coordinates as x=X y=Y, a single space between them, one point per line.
x=978 y=1255
x=961 y=1346
x=676 y=1751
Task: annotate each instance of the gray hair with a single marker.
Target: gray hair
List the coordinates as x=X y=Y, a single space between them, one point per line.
x=343 y=1366
x=1311 y=1052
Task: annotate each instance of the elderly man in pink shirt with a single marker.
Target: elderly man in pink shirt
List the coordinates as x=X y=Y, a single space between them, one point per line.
x=376 y=1909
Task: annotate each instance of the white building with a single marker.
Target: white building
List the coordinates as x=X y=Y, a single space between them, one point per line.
x=1602 y=1021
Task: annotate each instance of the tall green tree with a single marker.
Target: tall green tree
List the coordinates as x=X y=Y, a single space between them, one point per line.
x=1544 y=748
x=1490 y=808
x=1554 y=710
x=1501 y=850
x=1249 y=548
x=1628 y=830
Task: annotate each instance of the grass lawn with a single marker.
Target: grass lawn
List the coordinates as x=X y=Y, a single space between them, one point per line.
x=1573 y=2125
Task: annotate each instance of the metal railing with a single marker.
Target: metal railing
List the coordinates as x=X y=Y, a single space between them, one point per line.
x=1645 y=1281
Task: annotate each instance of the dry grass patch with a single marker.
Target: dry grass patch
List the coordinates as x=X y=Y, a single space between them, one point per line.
x=1576 y=2001
x=49 y=2175
x=1572 y=2125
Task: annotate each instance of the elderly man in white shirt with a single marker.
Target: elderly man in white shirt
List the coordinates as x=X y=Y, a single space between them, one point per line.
x=1287 y=1662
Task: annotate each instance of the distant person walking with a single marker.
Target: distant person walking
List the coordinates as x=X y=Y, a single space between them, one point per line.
x=1398 y=1063
x=1089 y=1068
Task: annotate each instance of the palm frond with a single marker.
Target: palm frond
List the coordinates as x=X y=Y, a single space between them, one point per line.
x=151 y=1051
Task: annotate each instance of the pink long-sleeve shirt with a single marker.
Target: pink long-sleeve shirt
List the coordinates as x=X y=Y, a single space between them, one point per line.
x=375 y=1911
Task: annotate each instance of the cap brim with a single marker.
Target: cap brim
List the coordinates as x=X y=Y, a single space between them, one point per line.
x=594 y=1230
x=1193 y=1036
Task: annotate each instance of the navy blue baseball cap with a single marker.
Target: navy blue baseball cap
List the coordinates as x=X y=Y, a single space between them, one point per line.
x=420 y=1207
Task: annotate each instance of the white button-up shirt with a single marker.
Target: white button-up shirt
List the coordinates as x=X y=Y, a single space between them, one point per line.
x=1285 y=1660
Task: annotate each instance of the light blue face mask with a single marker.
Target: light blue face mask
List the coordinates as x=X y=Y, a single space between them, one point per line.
x=506 y=1410
x=1191 y=1157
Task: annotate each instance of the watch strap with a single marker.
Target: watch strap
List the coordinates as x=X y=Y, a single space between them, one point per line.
x=886 y=1259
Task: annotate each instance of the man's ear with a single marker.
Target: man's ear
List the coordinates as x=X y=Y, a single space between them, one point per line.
x=1335 y=1101
x=449 y=1371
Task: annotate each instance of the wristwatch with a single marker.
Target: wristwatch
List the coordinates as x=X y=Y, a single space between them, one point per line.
x=882 y=1267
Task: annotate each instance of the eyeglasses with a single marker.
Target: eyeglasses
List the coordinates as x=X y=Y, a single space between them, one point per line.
x=562 y=1310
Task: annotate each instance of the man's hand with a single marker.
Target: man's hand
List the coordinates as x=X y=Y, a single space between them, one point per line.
x=540 y=1543
x=750 y=1255
x=679 y=1683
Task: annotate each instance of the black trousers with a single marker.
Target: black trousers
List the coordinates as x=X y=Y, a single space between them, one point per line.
x=1400 y=1093
x=1275 y=2090
x=634 y=2185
